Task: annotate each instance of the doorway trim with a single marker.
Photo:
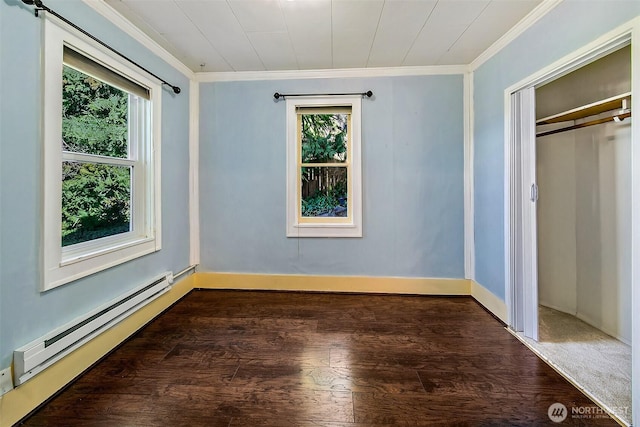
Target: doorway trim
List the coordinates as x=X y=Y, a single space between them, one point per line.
x=520 y=224
x=520 y=230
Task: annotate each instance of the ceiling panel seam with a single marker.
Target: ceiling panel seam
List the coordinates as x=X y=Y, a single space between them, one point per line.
x=465 y=30
x=200 y=60
x=419 y=32
x=233 y=12
x=373 y=40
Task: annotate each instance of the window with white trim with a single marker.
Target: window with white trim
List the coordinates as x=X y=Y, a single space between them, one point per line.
x=324 y=185
x=101 y=159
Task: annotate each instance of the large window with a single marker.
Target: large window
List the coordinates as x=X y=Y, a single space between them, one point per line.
x=100 y=159
x=323 y=180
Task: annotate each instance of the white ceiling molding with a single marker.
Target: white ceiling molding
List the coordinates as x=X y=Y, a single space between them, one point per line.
x=330 y=73
x=531 y=18
x=125 y=25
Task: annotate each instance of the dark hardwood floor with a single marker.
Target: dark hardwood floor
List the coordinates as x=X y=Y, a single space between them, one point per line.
x=240 y=358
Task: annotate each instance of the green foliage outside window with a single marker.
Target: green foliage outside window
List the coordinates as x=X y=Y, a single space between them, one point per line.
x=324 y=189
x=324 y=138
x=96 y=198
x=328 y=203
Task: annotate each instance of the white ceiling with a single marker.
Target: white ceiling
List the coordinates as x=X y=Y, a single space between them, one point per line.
x=256 y=35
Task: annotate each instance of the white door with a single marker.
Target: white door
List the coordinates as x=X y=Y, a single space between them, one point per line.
x=523 y=196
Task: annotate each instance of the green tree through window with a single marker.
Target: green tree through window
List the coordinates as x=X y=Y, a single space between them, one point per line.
x=324 y=153
x=96 y=198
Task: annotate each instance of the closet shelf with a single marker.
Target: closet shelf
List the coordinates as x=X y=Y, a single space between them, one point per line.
x=614 y=103
x=586 y=124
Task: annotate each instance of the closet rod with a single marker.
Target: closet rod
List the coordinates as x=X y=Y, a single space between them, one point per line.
x=619 y=117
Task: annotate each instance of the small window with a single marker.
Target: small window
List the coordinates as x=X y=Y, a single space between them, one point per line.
x=100 y=155
x=324 y=182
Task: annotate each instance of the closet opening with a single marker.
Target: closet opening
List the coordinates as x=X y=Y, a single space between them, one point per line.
x=581 y=210
x=583 y=170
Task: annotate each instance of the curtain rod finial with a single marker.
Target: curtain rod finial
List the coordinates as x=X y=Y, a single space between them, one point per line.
x=175 y=89
x=36 y=3
x=277 y=95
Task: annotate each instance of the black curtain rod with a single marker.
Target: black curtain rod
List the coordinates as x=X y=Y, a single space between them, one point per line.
x=40 y=6
x=277 y=95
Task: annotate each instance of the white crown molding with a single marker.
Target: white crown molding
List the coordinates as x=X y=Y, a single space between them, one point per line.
x=125 y=25
x=341 y=73
x=524 y=24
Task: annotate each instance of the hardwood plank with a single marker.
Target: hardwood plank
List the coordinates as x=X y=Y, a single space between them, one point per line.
x=246 y=358
x=194 y=354
x=295 y=379
x=208 y=327
x=78 y=407
x=177 y=418
x=274 y=403
x=296 y=421
x=485 y=409
x=303 y=357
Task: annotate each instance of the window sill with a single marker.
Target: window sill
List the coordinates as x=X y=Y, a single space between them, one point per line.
x=78 y=255
x=58 y=273
x=324 y=230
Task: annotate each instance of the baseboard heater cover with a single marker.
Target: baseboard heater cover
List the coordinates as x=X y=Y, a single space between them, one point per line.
x=34 y=357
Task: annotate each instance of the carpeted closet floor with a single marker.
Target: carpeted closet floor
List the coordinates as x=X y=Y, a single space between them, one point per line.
x=595 y=362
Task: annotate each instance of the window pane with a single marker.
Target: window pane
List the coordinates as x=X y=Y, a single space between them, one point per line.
x=94 y=116
x=324 y=191
x=324 y=138
x=96 y=201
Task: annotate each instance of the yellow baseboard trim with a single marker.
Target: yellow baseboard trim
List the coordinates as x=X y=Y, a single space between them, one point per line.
x=286 y=282
x=19 y=402
x=491 y=302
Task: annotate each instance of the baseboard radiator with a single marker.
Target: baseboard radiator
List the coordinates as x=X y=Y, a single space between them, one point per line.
x=34 y=357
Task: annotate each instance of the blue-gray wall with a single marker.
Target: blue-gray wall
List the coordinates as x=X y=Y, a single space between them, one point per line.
x=412 y=148
x=566 y=28
x=25 y=313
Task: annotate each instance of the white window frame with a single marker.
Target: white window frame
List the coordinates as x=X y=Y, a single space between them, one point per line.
x=66 y=264
x=324 y=227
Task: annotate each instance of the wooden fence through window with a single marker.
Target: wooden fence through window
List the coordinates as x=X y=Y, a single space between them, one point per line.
x=322 y=180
